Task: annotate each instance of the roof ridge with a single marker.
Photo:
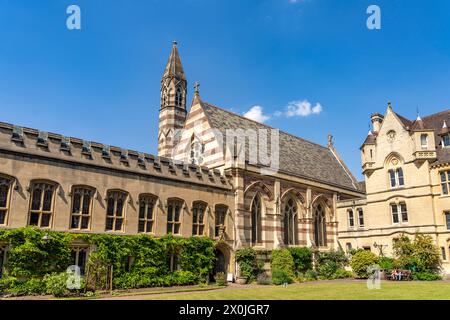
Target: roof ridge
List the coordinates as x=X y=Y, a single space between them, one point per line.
x=436 y=114
x=263 y=124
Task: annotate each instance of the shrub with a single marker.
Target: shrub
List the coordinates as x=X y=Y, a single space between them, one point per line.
x=264 y=279
x=221 y=279
x=386 y=263
x=248 y=266
x=280 y=277
x=183 y=278
x=56 y=284
x=303 y=259
x=426 y=276
x=421 y=256
x=311 y=275
x=25 y=288
x=342 y=274
x=328 y=263
x=361 y=261
x=282 y=260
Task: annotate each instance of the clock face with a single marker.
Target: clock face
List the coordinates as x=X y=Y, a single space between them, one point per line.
x=391 y=136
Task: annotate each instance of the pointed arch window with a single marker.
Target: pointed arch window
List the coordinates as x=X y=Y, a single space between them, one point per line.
x=81 y=208
x=320 y=230
x=198 y=218
x=174 y=207
x=179 y=98
x=115 y=211
x=41 y=207
x=146 y=213
x=5 y=190
x=256 y=220
x=220 y=214
x=290 y=224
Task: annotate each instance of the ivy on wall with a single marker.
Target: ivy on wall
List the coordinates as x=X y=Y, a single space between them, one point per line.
x=136 y=261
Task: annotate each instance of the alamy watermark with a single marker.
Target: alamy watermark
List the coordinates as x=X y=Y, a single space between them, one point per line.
x=259 y=147
x=374 y=20
x=374 y=279
x=73 y=21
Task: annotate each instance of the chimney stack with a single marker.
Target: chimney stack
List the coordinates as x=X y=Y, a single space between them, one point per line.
x=377 y=120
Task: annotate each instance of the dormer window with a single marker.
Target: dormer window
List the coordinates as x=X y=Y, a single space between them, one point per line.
x=446 y=141
x=424 y=141
x=396 y=178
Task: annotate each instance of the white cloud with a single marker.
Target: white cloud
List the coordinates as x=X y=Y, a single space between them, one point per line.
x=301 y=109
x=256 y=113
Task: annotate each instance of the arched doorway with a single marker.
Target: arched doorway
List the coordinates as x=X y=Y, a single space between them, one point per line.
x=222 y=261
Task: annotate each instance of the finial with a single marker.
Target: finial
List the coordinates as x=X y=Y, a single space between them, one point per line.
x=175 y=42
x=330 y=140
x=197 y=88
x=389 y=105
x=444 y=126
x=418 y=115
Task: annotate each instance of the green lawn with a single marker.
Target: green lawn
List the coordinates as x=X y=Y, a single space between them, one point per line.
x=325 y=291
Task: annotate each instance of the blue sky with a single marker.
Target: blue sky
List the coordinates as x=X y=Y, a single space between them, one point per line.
x=102 y=82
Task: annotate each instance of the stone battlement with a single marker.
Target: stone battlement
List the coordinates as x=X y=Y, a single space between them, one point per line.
x=51 y=146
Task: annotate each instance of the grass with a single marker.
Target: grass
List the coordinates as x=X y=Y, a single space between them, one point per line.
x=325 y=291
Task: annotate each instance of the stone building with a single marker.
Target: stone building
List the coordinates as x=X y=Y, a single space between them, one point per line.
x=406 y=165
x=206 y=181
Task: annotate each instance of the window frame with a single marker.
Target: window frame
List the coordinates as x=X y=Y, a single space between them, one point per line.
x=173 y=222
x=80 y=214
x=445 y=182
x=8 y=182
x=396 y=176
x=360 y=212
x=446 y=141
x=351 y=218
x=200 y=223
x=290 y=222
x=256 y=223
x=41 y=212
x=114 y=217
x=147 y=198
x=217 y=225
x=77 y=249
x=422 y=145
x=400 y=213
x=447 y=219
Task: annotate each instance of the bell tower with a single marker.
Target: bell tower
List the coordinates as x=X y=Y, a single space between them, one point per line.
x=172 y=114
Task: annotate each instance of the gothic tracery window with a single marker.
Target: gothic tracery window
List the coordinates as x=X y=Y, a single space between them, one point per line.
x=256 y=220
x=220 y=214
x=198 y=216
x=290 y=222
x=146 y=213
x=41 y=207
x=320 y=230
x=5 y=186
x=179 y=98
x=81 y=208
x=115 y=210
x=174 y=207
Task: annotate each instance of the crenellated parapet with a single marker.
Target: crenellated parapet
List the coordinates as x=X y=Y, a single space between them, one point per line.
x=55 y=147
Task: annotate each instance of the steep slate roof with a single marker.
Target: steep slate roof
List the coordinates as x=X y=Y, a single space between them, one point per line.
x=435 y=122
x=432 y=122
x=298 y=157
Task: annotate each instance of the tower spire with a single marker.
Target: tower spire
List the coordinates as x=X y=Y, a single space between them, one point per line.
x=172 y=114
x=174 y=67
